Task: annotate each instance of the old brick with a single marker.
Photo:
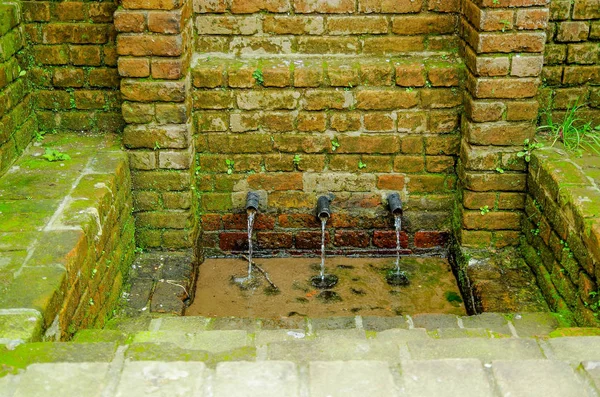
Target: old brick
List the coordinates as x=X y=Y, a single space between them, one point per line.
x=430 y=239
x=252 y=6
x=390 y=6
x=393 y=45
x=145 y=44
x=382 y=100
x=502 y=87
x=281 y=181
x=147 y=136
x=88 y=55
x=586 y=9
x=166 y=22
x=526 y=66
x=311 y=122
x=296 y=25
x=381 y=122
x=149 y=91
x=151 y=4
x=167 y=68
x=493 y=220
x=343 y=75
x=572 y=31
x=274 y=240
x=352 y=25
x=307 y=76
x=482 y=111
x=423 y=24
x=345 y=121
x=387 y=239
x=410 y=75
x=134 y=67
x=391 y=181
x=324 y=6
x=532 y=18
x=310 y=240
x=355 y=239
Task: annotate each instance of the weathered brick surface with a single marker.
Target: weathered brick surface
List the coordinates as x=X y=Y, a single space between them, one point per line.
x=561 y=244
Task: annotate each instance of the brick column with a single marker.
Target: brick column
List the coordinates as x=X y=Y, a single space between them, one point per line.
x=502 y=44
x=153 y=45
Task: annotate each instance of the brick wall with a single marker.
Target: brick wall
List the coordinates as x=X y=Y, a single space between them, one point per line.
x=293 y=117
x=17 y=121
x=571 y=69
x=502 y=44
x=72 y=60
x=562 y=232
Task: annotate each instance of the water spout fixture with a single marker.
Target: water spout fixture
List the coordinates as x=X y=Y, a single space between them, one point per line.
x=323 y=281
x=395 y=204
x=252 y=200
x=323 y=210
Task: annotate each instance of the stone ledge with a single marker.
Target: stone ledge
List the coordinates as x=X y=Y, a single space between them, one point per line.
x=306 y=71
x=67 y=236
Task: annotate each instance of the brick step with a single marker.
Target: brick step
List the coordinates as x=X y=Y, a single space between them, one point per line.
x=313 y=72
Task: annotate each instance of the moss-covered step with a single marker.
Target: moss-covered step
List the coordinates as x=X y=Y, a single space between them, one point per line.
x=64 y=236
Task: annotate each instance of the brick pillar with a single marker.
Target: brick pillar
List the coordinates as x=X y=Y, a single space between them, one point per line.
x=153 y=45
x=502 y=44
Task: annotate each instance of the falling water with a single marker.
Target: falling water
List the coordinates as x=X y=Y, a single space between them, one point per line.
x=398 y=225
x=251 y=214
x=323 y=222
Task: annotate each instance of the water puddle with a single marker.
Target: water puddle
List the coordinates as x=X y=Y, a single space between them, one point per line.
x=361 y=290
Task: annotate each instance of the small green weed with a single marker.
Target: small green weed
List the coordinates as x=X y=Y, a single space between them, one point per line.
x=528 y=147
x=258 y=77
x=334 y=145
x=499 y=170
x=484 y=210
x=54 y=155
x=297 y=158
x=361 y=165
x=575 y=135
x=230 y=164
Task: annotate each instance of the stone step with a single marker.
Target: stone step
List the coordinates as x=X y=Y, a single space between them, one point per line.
x=437 y=325
x=423 y=378
x=308 y=71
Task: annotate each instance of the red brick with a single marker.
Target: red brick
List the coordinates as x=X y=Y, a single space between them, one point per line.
x=274 y=240
x=240 y=222
x=431 y=239
x=410 y=75
x=233 y=241
x=502 y=87
x=572 y=31
x=310 y=240
x=68 y=11
x=356 y=239
x=387 y=239
x=170 y=69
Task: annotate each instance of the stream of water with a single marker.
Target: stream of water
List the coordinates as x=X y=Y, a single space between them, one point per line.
x=323 y=223
x=251 y=214
x=398 y=225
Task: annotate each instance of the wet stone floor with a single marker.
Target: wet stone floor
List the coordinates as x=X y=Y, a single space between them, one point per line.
x=361 y=289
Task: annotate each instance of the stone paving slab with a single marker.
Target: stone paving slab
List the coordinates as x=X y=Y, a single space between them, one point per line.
x=211 y=341
x=351 y=378
x=537 y=378
x=584 y=348
x=155 y=378
x=482 y=349
x=63 y=379
x=448 y=377
x=260 y=379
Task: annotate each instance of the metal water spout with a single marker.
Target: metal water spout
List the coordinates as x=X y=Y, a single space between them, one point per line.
x=252 y=201
x=395 y=204
x=323 y=210
x=396 y=277
x=323 y=281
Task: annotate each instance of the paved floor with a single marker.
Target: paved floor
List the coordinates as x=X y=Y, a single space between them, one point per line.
x=423 y=355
